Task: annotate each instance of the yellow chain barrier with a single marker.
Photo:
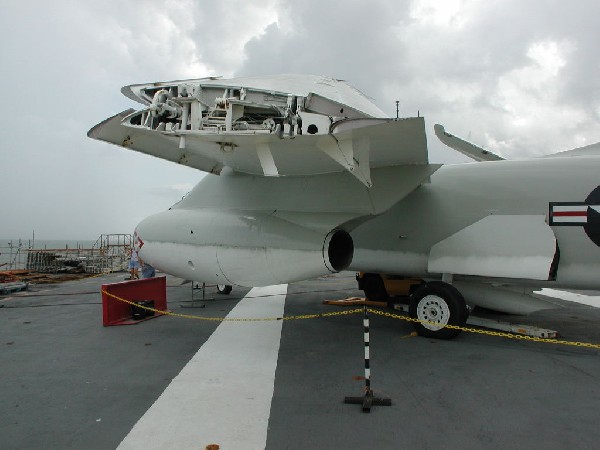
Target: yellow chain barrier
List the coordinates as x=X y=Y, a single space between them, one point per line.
x=223 y=319
x=359 y=311
x=487 y=332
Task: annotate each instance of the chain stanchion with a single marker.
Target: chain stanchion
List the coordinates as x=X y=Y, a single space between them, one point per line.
x=368 y=400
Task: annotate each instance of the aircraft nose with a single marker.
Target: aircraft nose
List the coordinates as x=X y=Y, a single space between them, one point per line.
x=146 y=232
x=137 y=238
x=151 y=236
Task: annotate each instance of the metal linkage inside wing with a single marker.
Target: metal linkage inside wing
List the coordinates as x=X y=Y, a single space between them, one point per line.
x=271 y=133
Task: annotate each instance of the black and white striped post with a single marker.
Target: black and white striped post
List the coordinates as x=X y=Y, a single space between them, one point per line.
x=368 y=400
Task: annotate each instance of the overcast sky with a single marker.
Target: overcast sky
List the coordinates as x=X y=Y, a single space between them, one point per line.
x=521 y=78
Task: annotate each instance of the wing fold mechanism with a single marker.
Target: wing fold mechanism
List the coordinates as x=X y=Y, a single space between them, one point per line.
x=208 y=124
x=351 y=155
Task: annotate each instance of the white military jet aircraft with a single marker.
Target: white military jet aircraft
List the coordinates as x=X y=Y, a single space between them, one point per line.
x=307 y=177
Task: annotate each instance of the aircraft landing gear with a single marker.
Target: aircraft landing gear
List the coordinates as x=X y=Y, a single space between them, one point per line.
x=374 y=288
x=224 y=288
x=439 y=304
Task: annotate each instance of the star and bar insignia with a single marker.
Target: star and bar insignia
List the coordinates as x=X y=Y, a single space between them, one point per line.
x=583 y=214
x=574 y=213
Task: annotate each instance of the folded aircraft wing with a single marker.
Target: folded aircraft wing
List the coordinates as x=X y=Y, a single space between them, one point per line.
x=209 y=124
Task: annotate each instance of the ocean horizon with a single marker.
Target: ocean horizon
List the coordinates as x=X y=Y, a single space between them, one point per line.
x=46 y=243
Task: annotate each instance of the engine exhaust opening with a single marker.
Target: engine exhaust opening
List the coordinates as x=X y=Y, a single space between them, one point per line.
x=340 y=250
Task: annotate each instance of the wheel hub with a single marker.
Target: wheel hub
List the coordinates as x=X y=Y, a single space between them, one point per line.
x=434 y=312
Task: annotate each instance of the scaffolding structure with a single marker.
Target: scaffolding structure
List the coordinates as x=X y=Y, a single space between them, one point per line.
x=110 y=253
x=13 y=255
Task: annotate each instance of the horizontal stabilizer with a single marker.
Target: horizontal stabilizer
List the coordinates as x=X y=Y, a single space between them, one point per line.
x=464 y=147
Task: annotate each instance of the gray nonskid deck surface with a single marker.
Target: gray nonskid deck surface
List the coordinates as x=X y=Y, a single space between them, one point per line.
x=68 y=382
x=472 y=392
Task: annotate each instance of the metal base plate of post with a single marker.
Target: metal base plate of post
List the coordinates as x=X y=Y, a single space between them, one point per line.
x=368 y=400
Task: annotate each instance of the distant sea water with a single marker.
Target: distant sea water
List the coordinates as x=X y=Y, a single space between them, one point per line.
x=14 y=250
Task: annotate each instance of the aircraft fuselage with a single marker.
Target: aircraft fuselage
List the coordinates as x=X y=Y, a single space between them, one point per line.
x=253 y=230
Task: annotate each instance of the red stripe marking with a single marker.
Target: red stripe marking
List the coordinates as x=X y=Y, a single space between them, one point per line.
x=569 y=213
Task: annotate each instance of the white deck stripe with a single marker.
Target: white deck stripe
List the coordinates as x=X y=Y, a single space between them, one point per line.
x=223 y=395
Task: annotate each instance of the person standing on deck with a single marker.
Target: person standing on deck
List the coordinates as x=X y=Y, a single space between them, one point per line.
x=134 y=264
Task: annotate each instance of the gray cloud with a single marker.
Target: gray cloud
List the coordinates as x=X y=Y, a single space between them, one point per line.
x=355 y=43
x=471 y=69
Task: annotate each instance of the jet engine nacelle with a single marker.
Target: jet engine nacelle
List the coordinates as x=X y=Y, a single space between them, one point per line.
x=240 y=248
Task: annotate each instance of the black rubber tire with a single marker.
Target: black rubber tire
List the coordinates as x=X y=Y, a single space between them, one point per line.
x=224 y=288
x=374 y=288
x=442 y=296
